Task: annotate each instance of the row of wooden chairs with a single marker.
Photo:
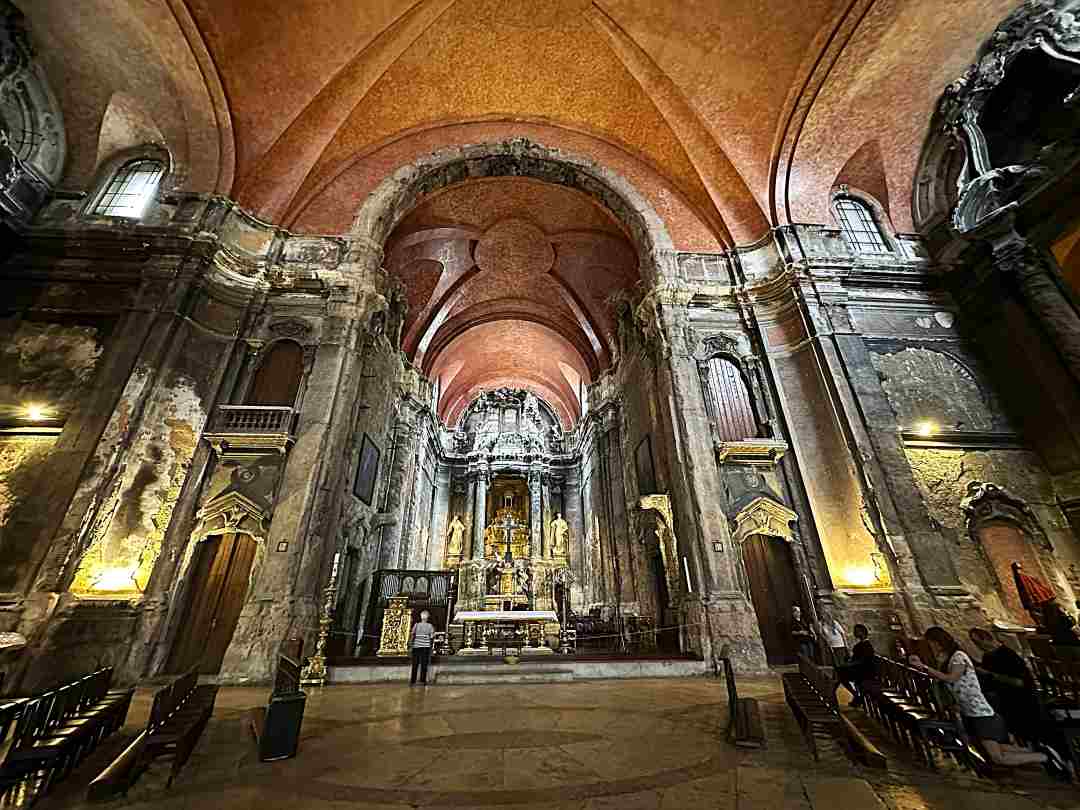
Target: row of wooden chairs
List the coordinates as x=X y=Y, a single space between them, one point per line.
x=48 y=735
x=178 y=715
x=911 y=706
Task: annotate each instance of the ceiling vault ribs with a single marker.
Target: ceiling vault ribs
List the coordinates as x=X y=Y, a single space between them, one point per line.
x=741 y=219
x=269 y=188
x=215 y=90
x=787 y=136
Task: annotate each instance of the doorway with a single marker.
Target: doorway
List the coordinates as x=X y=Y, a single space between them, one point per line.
x=770 y=572
x=219 y=585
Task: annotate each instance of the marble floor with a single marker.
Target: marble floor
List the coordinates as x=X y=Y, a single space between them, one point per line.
x=626 y=745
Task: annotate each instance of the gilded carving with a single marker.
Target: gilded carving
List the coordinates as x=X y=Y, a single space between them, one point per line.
x=397 y=623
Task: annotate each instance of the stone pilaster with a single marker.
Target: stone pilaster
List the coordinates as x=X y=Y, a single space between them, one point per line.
x=479 y=513
x=1033 y=274
x=536 y=516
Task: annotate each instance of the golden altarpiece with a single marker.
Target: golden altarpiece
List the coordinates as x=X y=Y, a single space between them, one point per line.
x=509 y=574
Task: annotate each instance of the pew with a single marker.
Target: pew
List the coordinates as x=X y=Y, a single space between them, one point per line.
x=744 y=729
x=912 y=707
x=277 y=725
x=811 y=695
x=45 y=737
x=178 y=715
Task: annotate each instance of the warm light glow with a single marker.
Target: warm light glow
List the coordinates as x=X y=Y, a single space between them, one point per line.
x=861 y=576
x=926 y=428
x=35 y=413
x=115 y=579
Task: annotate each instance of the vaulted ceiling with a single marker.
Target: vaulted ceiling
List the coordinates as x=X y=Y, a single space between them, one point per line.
x=728 y=117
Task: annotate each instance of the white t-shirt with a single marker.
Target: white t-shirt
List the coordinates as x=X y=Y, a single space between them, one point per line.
x=966 y=691
x=833 y=633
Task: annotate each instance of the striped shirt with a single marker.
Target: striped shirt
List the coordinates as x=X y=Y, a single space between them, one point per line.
x=422 y=635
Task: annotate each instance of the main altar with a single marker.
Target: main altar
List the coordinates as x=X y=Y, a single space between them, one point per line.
x=511 y=587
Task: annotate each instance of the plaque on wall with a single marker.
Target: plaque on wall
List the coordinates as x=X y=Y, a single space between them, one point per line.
x=367 y=471
x=643 y=463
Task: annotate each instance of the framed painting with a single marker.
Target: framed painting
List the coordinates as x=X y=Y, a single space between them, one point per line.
x=367 y=471
x=643 y=464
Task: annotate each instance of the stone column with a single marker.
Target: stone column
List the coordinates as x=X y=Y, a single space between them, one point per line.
x=479 y=514
x=536 y=516
x=1033 y=273
x=440 y=517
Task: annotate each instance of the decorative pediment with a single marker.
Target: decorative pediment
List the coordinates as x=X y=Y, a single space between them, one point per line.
x=719 y=344
x=232 y=511
x=764 y=516
x=290 y=328
x=985 y=502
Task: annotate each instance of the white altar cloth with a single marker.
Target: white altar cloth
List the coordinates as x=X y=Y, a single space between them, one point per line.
x=505 y=615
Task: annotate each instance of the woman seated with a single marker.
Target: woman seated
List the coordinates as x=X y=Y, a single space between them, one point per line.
x=983 y=724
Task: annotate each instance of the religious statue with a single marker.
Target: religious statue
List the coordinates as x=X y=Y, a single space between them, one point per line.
x=491 y=540
x=456 y=537
x=560 y=536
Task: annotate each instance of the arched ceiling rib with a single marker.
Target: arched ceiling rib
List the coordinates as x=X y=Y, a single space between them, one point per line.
x=508 y=279
x=716 y=112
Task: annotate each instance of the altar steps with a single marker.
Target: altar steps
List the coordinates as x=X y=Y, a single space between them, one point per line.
x=552 y=669
x=504 y=673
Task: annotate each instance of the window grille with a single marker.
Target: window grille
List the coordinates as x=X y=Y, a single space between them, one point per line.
x=734 y=416
x=858 y=227
x=131 y=189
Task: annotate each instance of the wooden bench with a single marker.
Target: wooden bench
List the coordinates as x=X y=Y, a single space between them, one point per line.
x=277 y=725
x=911 y=706
x=178 y=715
x=47 y=736
x=811 y=694
x=744 y=729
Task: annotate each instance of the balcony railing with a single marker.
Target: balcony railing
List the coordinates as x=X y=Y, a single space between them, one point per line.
x=252 y=426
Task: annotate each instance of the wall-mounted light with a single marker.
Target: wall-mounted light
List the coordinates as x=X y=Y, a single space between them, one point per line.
x=116 y=579
x=861 y=576
x=35 y=412
x=926 y=428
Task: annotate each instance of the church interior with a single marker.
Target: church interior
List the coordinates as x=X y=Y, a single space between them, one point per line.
x=605 y=333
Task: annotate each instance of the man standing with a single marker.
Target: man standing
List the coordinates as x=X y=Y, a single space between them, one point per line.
x=420 y=647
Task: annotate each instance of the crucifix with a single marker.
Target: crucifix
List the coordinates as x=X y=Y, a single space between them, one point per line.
x=508 y=525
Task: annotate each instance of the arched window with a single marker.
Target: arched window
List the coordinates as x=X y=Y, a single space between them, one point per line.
x=131 y=189
x=734 y=413
x=858 y=226
x=277 y=381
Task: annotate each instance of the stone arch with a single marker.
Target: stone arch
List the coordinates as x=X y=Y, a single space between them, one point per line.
x=403 y=190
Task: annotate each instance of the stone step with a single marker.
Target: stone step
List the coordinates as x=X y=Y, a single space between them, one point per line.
x=504 y=674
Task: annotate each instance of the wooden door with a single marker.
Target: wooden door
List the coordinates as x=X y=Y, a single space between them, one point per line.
x=773 y=590
x=219 y=586
x=277 y=381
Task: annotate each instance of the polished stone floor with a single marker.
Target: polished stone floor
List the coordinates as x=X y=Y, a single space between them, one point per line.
x=625 y=745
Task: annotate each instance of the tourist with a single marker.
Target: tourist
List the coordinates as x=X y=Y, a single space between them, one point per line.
x=1007 y=684
x=420 y=640
x=834 y=639
x=804 y=639
x=981 y=721
x=861 y=672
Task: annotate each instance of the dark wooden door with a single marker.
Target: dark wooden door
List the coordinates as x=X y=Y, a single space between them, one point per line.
x=277 y=381
x=773 y=590
x=219 y=586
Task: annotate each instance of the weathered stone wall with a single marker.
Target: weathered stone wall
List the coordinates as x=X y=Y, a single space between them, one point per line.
x=943 y=476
